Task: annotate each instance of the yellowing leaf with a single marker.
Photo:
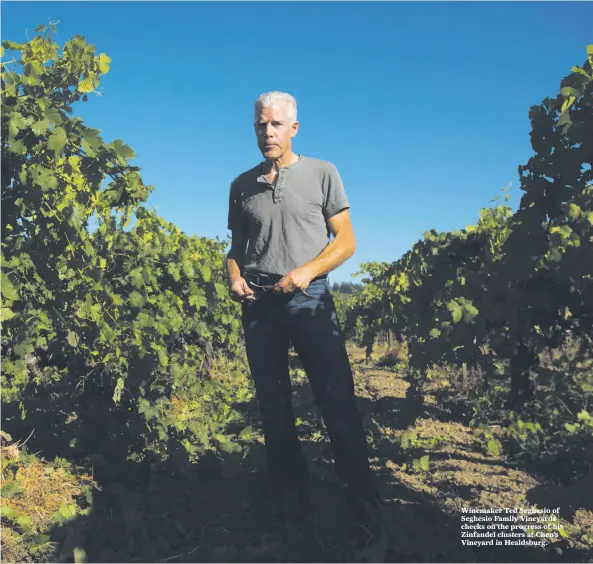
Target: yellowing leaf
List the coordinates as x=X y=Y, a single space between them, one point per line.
x=573 y=211
x=89 y=83
x=104 y=63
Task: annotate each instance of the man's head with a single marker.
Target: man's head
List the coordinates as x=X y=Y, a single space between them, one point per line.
x=275 y=123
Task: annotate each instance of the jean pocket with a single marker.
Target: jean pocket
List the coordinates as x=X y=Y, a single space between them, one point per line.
x=316 y=292
x=319 y=288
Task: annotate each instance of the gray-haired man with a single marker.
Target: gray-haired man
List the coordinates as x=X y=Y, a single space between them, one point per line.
x=281 y=214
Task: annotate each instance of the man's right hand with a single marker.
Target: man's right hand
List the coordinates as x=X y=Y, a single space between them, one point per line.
x=240 y=290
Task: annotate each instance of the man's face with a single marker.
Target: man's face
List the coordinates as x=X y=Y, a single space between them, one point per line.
x=274 y=131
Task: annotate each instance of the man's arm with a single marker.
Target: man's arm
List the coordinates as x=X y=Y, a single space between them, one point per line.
x=340 y=249
x=235 y=258
x=234 y=262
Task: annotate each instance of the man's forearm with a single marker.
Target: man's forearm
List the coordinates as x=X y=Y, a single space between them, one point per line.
x=232 y=268
x=338 y=251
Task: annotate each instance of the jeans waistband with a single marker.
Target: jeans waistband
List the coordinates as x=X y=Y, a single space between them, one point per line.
x=268 y=279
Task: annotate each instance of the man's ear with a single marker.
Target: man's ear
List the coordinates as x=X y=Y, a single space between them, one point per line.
x=294 y=128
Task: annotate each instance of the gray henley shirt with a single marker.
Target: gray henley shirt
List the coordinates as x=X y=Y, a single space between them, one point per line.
x=284 y=225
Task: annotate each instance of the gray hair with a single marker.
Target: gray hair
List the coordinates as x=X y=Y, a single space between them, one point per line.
x=273 y=99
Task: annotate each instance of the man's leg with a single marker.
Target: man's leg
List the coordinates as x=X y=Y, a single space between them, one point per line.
x=267 y=353
x=318 y=340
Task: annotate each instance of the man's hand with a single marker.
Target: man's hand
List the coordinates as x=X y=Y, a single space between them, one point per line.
x=296 y=280
x=240 y=290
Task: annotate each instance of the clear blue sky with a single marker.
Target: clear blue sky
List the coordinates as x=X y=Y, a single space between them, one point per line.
x=423 y=107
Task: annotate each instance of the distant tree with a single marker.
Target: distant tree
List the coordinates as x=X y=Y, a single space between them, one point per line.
x=347 y=288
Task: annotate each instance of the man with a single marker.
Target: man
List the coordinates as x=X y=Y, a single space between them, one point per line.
x=281 y=214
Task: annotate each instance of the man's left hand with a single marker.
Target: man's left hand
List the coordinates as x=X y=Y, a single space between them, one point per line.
x=296 y=280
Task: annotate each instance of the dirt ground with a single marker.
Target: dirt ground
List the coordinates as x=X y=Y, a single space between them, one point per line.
x=219 y=512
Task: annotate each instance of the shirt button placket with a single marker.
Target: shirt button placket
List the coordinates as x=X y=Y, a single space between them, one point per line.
x=279 y=187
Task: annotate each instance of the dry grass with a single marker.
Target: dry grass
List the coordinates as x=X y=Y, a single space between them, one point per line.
x=46 y=489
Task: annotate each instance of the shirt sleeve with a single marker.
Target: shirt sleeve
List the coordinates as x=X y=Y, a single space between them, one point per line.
x=235 y=219
x=334 y=195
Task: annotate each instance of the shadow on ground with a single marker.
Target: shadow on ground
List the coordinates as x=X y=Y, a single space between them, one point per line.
x=219 y=511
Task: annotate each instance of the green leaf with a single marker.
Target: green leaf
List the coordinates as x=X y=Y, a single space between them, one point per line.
x=122 y=150
x=493 y=447
x=227 y=445
x=32 y=70
x=119 y=387
x=424 y=463
x=573 y=211
x=563 y=230
x=163 y=358
x=7 y=511
x=6 y=314
x=136 y=299
x=66 y=511
x=221 y=290
x=137 y=278
x=41 y=126
x=18 y=148
x=407 y=438
x=11 y=489
x=568 y=91
x=24 y=522
x=77 y=217
x=246 y=433
x=79 y=555
x=72 y=339
x=17 y=122
x=92 y=138
x=206 y=273
x=13 y=46
x=57 y=140
x=188 y=269
x=116 y=299
x=39 y=540
x=469 y=312
x=54 y=116
x=8 y=290
x=45 y=179
x=40 y=28
x=456 y=310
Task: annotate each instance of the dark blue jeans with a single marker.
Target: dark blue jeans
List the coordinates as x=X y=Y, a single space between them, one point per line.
x=310 y=322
